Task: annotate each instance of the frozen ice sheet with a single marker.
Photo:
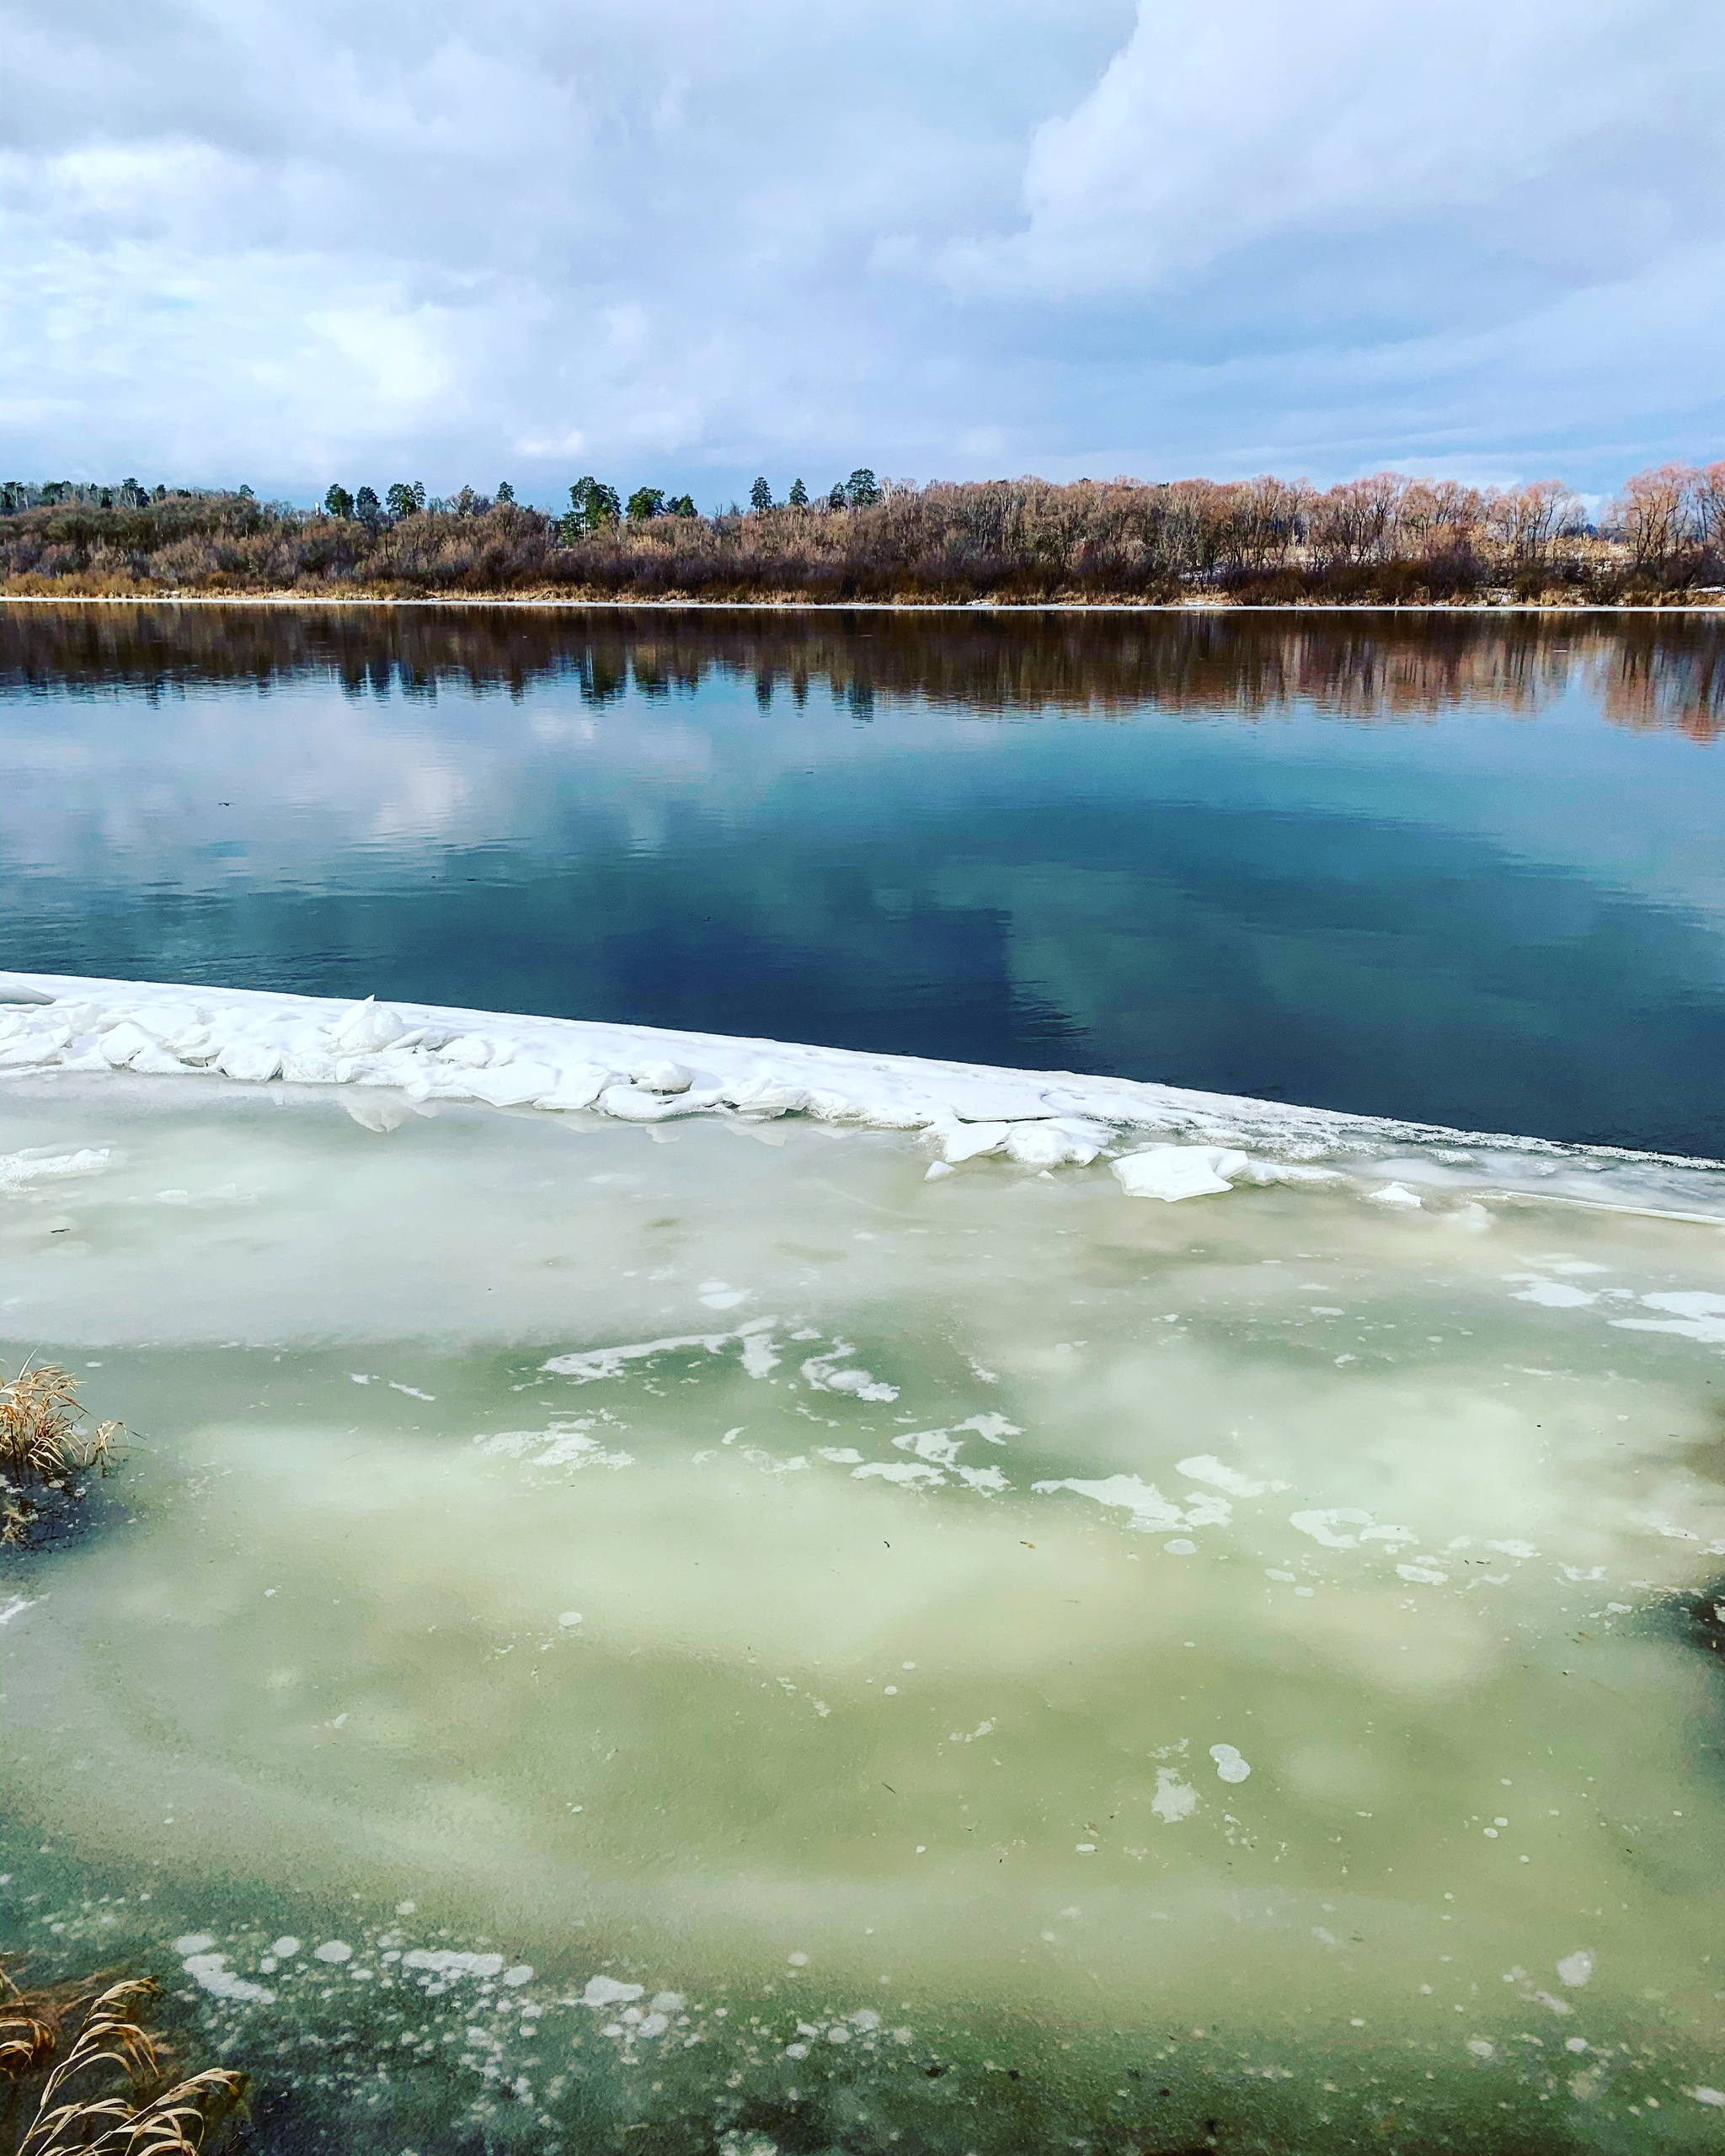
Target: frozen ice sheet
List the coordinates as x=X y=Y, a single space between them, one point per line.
x=1166 y=1142
x=1060 y=1621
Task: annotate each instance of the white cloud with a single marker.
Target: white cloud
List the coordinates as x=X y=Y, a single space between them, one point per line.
x=1218 y=126
x=681 y=244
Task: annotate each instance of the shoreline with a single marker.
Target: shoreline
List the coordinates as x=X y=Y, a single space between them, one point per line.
x=428 y=1053
x=775 y=604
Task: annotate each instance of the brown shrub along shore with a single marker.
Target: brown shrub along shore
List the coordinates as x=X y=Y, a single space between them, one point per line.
x=1388 y=539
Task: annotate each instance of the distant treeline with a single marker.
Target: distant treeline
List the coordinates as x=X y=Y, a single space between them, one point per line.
x=1388 y=539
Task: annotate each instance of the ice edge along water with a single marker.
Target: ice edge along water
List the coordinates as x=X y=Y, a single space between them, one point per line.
x=1042 y=1120
x=252 y=1042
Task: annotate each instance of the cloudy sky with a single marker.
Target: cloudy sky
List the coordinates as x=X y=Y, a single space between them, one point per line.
x=683 y=242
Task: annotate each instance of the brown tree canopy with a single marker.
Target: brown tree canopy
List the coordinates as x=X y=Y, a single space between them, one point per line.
x=1388 y=539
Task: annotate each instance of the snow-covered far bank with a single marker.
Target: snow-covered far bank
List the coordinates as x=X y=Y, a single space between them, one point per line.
x=1163 y=1141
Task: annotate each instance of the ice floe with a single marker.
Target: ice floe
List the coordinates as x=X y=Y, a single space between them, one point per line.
x=1171 y=1172
x=1165 y=1142
x=1150 y=1513
x=211 y=1973
x=1696 y=1316
x=591 y=1364
x=560 y=1446
x=19 y=1170
x=608 y=1991
x=1345 y=1529
x=1204 y=1467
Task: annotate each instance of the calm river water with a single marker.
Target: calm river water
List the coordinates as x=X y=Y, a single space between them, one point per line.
x=733 y=1637
x=1462 y=870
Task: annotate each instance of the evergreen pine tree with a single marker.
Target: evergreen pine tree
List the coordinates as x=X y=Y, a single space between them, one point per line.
x=799 y=496
x=760 y=495
x=593 y=504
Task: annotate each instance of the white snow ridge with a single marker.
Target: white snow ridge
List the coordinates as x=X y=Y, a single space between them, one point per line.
x=1021 y=1122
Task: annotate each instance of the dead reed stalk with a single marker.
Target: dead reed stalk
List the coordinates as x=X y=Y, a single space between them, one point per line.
x=43 y=1449
x=144 y=2119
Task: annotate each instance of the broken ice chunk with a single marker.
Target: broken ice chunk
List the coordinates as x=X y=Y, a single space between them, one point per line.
x=938 y=1447
x=1151 y=1511
x=513 y=1087
x=663 y=1076
x=308 y=1066
x=991 y=1099
x=469 y=1052
x=606 y=1991
x=966 y=1141
x=1698 y=1316
x=19 y=1169
x=366 y=1028
x=211 y=1973
x=27 y=1049
x=822 y=1374
x=152 y=1061
x=995 y=1429
x=636 y=1104
x=1205 y=1467
x=122 y=1043
x=766 y=1092
x=1171 y=1172
x=577 y=1087
x=1329 y=1528
x=1550 y=1294
x=253 y=1063
x=1267 y=1171
x=1053 y=1144
x=172 y=1024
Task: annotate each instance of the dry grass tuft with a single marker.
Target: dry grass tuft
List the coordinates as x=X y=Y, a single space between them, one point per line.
x=43 y=1450
x=146 y=2119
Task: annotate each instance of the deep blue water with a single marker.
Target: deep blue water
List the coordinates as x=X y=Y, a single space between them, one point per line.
x=1462 y=870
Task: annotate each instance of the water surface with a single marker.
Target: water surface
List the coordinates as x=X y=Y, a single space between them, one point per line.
x=1441 y=867
x=705 y=1634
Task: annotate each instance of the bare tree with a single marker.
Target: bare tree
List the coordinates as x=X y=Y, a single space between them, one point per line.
x=1650 y=514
